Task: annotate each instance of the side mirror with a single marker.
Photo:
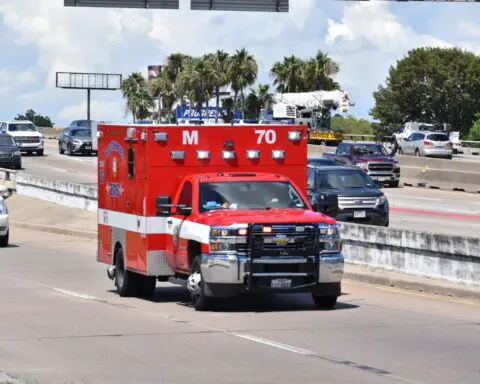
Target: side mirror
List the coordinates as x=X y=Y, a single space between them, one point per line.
x=184 y=211
x=163 y=206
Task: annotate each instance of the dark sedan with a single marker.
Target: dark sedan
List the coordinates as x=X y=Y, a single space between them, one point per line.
x=321 y=161
x=10 y=155
x=75 y=140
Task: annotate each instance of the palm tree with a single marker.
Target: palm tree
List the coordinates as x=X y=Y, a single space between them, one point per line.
x=131 y=88
x=242 y=72
x=257 y=99
x=162 y=87
x=318 y=72
x=288 y=74
x=220 y=62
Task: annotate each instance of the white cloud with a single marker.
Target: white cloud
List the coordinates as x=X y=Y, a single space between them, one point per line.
x=100 y=110
x=4 y=90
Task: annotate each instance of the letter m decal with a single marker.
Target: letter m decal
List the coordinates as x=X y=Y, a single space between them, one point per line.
x=190 y=138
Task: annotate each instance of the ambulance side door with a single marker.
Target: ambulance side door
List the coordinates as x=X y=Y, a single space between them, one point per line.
x=177 y=243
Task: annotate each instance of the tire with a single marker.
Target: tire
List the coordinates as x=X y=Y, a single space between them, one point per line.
x=196 y=287
x=449 y=157
x=146 y=285
x=40 y=152
x=395 y=184
x=4 y=239
x=324 y=302
x=60 y=149
x=125 y=280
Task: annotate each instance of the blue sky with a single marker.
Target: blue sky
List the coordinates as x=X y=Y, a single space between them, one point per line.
x=38 y=38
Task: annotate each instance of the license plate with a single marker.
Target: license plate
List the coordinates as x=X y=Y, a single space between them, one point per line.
x=281 y=283
x=359 y=214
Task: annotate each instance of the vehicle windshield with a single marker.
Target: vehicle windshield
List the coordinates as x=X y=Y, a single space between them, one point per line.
x=438 y=137
x=6 y=141
x=368 y=149
x=249 y=195
x=22 y=127
x=83 y=123
x=81 y=133
x=341 y=180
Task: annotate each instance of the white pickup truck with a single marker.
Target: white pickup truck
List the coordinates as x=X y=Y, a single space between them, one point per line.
x=26 y=134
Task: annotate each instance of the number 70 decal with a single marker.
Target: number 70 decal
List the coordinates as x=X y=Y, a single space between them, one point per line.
x=267 y=135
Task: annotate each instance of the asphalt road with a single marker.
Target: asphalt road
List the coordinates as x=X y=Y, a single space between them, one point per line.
x=412 y=208
x=60 y=322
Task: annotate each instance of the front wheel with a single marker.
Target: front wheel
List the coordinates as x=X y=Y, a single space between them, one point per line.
x=124 y=279
x=196 y=287
x=324 y=302
x=395 y=184
x=40 y=152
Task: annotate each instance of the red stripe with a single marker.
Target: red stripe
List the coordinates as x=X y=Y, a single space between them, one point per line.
x=422 y=212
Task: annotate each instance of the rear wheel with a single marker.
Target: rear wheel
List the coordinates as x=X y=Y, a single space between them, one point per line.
x=4 y=240
x=196 y=287
x=125 y=280
x=324 y=302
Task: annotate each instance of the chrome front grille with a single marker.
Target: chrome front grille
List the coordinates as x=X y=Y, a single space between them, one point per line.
x=27 y=140
x=380 y=166
x=348 y=202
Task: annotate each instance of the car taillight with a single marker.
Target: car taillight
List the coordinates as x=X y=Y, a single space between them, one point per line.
x=426 y=142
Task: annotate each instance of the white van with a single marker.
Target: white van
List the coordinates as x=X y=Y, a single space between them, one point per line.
x=27 y=136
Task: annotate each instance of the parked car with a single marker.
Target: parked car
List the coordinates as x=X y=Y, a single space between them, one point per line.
x=10 y=155
x=372 y=158
x=75 y=140
x=321 y=161
x=347 y=194
x=431 y=144
x=26 y=134
x=4 y=225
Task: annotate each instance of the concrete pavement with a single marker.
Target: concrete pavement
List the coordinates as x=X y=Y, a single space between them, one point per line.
x=60 y=322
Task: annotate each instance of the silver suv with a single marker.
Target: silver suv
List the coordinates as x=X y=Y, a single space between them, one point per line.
x=427 y=143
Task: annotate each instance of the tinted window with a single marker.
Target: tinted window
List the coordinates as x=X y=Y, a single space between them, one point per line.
x=417 y=136
x=131 y=163
x=14 y=127
x=321 y=161
x=186 y=195
x=340 y=180
x=438 y=137
x=248 y=195
x=311 y=178
x=81 y=133
x=6 y=141
x=369 y=149
x=82 y=123
x=342 y=149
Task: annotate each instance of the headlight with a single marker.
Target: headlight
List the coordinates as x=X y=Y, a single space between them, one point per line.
x=363 y=166
x=329 y=239
x=381 y=200
x=225 y=239
x=17 y=153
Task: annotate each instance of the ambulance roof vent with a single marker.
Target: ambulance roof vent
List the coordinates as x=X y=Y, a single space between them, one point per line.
x=160 y=136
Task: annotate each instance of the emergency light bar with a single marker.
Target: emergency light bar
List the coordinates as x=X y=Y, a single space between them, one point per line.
x=203 y=155
x=228 y=155
x=160 y=136
x=294 y=135
x=253 y=154
x=278 y=154
x=177 y=155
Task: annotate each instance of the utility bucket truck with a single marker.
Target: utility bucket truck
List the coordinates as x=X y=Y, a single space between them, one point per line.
x=219 y=209
x=314 y=110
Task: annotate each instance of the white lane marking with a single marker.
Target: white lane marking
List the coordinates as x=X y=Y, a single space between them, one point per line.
x=274 y=344
x=75 y=294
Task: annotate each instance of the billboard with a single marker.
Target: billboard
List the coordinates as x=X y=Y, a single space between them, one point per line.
x=206 y=114
x=153 y=71
x=149 y=4
x=77 y=80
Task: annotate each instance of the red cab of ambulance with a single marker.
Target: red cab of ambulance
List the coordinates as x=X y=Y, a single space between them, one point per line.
x=219 y=209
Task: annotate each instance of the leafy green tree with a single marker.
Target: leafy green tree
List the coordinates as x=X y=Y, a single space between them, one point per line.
x=351 y=126
x=257 y=99
x=139 y=101
x=35 y=118
x=474 y=134
x=437 y=85
x=243 y=71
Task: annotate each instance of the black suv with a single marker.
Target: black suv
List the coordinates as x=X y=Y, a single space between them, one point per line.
x=347 y=194
x=10 y=155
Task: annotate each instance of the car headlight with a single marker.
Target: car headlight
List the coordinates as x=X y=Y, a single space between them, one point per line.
x=329 y=238
x=363 y=166
x=225 y=239
x=381 y=200
x=17 y=153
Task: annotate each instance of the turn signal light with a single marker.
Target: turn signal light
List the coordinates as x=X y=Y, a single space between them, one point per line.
x=267 y=229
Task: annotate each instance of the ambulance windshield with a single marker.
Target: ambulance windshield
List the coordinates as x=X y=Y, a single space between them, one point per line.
x=249 y=195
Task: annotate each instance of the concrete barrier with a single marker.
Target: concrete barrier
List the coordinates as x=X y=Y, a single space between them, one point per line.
x=451 y=258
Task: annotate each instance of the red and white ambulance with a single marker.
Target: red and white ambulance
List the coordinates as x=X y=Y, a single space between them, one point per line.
x=219 y=209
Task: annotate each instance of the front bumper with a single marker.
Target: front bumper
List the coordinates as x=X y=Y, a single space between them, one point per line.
x=385 y=177
x=11 y=162
x=229 y=275
x=30 y=146
x=3 y=224
x=82 y=147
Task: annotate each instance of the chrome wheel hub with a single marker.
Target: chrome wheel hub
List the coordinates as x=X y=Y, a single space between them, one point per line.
x=193 y=283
